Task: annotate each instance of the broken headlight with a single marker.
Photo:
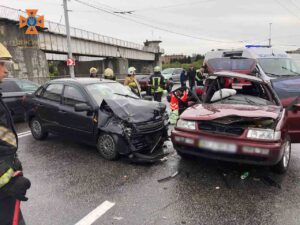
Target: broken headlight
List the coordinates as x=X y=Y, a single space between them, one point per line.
x=186 y=124
x=263 y=134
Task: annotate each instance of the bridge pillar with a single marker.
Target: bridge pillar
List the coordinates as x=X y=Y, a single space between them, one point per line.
x=119 y=65
x=29 y=61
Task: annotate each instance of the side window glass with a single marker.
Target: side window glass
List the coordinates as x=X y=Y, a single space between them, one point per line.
x=9 y=86
x=72 y=96
x=53 y=92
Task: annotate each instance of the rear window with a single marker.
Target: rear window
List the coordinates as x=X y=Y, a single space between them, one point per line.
x=9 y=86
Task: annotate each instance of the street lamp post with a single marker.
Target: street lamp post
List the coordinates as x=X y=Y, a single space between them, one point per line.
x=71 y=67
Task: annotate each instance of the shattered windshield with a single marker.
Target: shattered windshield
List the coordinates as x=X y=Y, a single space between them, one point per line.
x=224 y=90
x=279 y=67
x=109 y=91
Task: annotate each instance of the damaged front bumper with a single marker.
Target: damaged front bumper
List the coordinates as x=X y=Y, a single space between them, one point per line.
x=145 y=141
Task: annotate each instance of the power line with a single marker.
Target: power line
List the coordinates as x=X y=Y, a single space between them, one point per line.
x=153 y=26
x=290 y=11
x=294 y=4
x=174 y=5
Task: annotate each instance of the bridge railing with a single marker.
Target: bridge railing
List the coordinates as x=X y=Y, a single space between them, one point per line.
x=14 y=14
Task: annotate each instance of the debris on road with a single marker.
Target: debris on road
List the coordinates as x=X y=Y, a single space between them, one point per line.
x=217 y=188
x=245 y=175
x=169 y=177
x=118 y=218
x=269 y=181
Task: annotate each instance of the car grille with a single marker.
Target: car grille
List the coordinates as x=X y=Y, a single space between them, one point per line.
x=145 y=142
x=149 y=127
x=220 y=128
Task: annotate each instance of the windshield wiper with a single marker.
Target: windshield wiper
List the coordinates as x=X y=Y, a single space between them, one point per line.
x=127 y=96
x=273 y=74
x=290 y=71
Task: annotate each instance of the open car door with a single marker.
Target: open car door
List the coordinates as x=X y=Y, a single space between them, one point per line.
x=288 y=91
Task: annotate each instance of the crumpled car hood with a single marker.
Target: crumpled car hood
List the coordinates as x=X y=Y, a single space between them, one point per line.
x=214 y=111
x=135 y=110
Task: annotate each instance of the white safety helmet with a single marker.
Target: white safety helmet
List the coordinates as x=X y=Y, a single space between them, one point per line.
x=131 y=70
x=157 y=69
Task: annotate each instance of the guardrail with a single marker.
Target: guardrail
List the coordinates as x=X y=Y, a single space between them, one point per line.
x=14 y=14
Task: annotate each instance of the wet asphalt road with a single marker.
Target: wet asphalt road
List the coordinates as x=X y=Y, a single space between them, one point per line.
x=69 y=180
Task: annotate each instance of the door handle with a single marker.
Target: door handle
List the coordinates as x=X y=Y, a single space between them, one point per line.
x=62 y=111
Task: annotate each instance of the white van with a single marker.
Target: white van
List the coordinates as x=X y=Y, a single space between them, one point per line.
x=271 y=63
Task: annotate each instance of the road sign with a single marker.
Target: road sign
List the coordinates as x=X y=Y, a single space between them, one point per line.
x=71 y=62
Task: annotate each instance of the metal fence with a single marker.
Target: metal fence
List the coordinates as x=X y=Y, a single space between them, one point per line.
x=14 y=14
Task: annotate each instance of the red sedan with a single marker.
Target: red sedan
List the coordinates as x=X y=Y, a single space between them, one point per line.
x=245 y=124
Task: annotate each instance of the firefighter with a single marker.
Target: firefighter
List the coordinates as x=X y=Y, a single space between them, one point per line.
x=157 y=82
x=93 y=72
x=174 y=105
x=131 y=82
x=12 y=187
x=109 y=74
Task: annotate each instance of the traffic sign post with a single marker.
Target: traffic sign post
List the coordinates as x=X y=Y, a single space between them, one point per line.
x=70 y=62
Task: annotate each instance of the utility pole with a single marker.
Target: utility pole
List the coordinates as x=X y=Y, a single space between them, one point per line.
x=270 y=33
x=71 y=67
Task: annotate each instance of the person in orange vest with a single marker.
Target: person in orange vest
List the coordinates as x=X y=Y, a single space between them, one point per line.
x=174 y=105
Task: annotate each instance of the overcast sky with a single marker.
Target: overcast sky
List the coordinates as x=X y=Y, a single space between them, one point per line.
x=195 y=26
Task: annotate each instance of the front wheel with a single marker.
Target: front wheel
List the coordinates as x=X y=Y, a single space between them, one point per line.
x=37 y=130
x=107 y=147
x=282 y=166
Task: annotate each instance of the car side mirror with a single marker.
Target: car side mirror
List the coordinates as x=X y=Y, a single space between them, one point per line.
x=296 y=107
x=82 y=107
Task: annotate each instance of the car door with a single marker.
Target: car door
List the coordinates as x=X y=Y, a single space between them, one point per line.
x=47 y=106
x=79 y=125
x=12 y=96
x=176 y=75
x=288 y=90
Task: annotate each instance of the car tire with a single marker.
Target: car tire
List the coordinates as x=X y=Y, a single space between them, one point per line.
x=107 y=147
x=282 y=166
x=37 y=129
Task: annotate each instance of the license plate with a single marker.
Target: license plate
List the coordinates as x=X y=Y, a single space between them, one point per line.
x=217 y=146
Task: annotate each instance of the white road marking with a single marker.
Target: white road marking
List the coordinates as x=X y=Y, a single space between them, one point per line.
x=96 y=213
x=24 y=134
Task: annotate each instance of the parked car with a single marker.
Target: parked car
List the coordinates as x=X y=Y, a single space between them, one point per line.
x=243 y=123
x=13 y=90
x=172 y=74
x=98 y=112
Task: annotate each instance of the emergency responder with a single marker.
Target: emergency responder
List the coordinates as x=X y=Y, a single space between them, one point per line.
x=157 y=82
x=200 y=76
x=183 y=78
x=93 y=72
x=174 y=105
x=109 y=74
x=12 y=186
x=191 y=74
x=131 y=82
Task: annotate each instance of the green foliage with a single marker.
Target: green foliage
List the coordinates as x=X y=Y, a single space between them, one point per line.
x=197 y=64
x=53 y=71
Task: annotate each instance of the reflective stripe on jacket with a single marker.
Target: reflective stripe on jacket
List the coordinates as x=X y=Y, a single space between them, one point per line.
x=174 y=102
x=5 y=178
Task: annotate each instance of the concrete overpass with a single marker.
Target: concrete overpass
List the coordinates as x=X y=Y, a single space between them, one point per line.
x=31 y=53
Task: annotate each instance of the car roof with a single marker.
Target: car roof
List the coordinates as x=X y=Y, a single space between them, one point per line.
x=236 y=75
x=82 y=80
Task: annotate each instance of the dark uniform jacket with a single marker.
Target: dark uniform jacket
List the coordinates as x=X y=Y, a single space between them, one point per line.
x=8 y=159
